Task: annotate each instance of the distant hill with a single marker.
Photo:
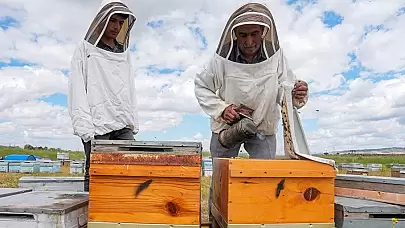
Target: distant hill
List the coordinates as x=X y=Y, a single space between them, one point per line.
x=388 y=150
x=43 y=152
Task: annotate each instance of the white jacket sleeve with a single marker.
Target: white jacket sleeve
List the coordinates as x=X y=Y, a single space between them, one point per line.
x=78 y=105
x=206 y=84
x=287 y=76
x=134 y=100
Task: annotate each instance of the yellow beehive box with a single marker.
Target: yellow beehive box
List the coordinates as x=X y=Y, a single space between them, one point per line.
x=145 y=183
x=251 y=191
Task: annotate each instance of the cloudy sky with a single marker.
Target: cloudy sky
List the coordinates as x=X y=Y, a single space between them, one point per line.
x=351 y=52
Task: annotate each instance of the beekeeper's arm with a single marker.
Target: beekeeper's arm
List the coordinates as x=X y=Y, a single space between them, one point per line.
x=134 y=100
x=287 y=76
x=78 y=105
x=206 y=84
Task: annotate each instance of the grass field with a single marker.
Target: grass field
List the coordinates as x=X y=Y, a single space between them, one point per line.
x=385 y=160
x=10 y=180
x=49 y=153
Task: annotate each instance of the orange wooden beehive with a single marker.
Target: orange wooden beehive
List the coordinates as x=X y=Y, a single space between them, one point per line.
x=250 y=191
x=144 y=183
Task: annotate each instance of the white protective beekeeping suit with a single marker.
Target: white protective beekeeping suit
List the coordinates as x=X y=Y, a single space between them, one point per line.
x=101 y=94
x=257 y=86
x=260 y=86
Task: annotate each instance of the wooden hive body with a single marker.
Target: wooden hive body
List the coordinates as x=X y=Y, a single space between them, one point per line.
x=145 y=183
x=284 y=192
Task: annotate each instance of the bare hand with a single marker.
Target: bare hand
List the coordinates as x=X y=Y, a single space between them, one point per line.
x=244 y=110
x=230 y=115
x=300 y=90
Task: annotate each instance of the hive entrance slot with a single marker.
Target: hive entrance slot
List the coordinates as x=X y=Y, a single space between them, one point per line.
x=16 y=216
x=145 y=149
x=388 y=216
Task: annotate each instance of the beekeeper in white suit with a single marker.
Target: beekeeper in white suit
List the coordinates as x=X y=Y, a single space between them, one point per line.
x=244 y=78
x=101 y=96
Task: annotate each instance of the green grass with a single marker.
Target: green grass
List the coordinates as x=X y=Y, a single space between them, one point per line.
x=205 y=191
x=385 y=160
x=44 y=153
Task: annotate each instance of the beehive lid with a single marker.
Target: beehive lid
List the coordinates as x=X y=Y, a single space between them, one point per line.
x=33 y=179
x=44 y=202
x=129 y=146
x=373 y=179
x=12 y=191
x=146 y=152
x=352 y=205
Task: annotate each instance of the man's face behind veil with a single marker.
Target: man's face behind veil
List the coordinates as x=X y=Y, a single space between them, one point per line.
x=249 y=38
x=114 y=26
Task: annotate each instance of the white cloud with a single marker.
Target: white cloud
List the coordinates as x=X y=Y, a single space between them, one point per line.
x=354 y=111
x=367 y=115
x=390 y=54
x=198 y=137
x=20 y=84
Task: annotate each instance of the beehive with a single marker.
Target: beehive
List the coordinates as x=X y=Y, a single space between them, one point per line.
x=396 y=171
x=76 y=167
x=43 y=209
x=46 y=167
x=40 y=183
x=14 y=166
x=29 y=167
x=288 y=193
x=50 y=166
x=4 y=166
x=139 y=183
x=363 y=172
x=351 y=212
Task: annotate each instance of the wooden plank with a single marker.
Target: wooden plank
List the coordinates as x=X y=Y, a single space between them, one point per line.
x=372 y=183
x=251 y=200
x=145 y=171
x=222 y=223
x=220 y=180
x=388 y=197
x=129 y=158
x=370 y=186
x=144 y=200
x=218 y=217
x=278 y=168
x=270 y=172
